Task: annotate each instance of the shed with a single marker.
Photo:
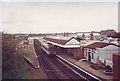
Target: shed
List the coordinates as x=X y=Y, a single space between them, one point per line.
x=102 y=51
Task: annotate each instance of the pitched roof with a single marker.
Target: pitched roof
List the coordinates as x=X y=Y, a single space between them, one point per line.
x=59 y=41
x=98 y=45
x=62 y=41
x=72 y=41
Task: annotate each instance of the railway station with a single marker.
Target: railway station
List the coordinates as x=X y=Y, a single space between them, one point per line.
x=65 y=56
x=80 y=52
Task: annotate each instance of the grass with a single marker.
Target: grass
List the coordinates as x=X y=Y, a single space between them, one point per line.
x=29 y=54
x=27 y=51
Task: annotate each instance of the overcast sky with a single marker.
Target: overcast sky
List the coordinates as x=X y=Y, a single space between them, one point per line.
x=39 y=17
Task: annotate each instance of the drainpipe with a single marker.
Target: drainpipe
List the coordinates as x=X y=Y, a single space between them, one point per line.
x=81 y=52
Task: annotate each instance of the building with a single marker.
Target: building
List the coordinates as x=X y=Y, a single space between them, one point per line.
x=116 y=66
x=70 y=47
x=109 y=32
x=34 y=37
x=89 y=35
x=100 y=51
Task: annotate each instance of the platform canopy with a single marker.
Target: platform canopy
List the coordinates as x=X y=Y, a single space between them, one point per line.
x=71 y=43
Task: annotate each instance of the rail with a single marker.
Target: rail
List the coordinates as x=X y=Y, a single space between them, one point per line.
x=65 y=67
x=47 y=67
x=80 y=71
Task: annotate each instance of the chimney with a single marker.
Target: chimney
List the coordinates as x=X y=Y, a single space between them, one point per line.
x=83 y=36
x=64 y=34
x=91 y=36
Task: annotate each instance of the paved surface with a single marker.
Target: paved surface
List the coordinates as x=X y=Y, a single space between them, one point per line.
x=33 y=59
x=86 y=66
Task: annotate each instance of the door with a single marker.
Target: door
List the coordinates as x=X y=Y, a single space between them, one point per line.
x=89 y=57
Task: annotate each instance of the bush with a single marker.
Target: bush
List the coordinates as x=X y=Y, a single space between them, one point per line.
x=12 y=61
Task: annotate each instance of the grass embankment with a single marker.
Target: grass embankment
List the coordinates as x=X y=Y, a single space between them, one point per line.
x=14 y=66
x=28 y=53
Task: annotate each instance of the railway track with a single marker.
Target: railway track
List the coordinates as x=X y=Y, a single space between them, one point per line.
x=66 y=70
x=79 y=71
x=47 y=67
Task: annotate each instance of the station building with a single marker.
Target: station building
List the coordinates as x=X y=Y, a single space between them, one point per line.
x=71 y=46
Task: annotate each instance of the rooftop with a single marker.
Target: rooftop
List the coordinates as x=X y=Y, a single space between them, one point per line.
x=70 y=43
x=59 y=41
x=99 y=45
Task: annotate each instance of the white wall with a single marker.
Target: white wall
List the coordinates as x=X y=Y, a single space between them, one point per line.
x=104 y=53
x=107 y=52
x=73 y=42
x=95 y=54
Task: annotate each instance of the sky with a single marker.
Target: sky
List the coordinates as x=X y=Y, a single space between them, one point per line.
x=42 y=17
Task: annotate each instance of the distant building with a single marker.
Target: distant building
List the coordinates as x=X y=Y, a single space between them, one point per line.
x=35 y=37
x=109 y=32
x=89 y=35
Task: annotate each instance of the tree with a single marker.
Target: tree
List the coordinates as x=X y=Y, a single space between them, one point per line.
x=11 y=60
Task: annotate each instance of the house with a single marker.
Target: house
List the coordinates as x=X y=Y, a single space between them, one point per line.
x=100 y=51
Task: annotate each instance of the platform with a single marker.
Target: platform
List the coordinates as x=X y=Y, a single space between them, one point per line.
x=28 y=52
x=85 y=65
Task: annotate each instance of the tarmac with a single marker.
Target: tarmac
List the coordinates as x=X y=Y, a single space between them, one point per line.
x=85 y=65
